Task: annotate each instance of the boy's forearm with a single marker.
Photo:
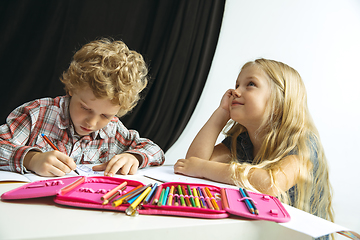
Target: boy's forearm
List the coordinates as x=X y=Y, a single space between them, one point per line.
x=204 y=142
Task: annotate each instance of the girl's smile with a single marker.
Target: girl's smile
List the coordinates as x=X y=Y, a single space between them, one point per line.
x=250 y=97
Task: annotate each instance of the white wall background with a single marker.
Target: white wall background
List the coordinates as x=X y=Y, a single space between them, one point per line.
x=321 y=40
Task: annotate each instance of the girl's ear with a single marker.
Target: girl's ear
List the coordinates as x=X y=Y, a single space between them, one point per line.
x=70 y=93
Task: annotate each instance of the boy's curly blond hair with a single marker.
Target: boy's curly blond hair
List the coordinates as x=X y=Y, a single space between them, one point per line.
x=111 y=71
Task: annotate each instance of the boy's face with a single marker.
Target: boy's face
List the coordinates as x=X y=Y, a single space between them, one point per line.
x=88 y=113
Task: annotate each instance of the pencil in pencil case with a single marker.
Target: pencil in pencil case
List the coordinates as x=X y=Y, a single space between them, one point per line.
x=87 y=192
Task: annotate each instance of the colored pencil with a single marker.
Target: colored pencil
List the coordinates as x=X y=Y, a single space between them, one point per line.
x=251 y=201
x=171 y=194
x=161 y=197
x=148 y=197
x=213 y=201
x=191 y=196
x=113 y=191
x=202 y=201
x=181 y=196
x=72 y=185
x=119 y=192
x=166 y=195
x=132 y=208
x=207 y=199
x=131 y=193
x=197 y=202
x=54 y=147
x=247 y=202
x=157 y=195
x=176 y=201
x=187 y=200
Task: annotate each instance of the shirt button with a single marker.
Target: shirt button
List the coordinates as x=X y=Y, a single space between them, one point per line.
x=18 y=169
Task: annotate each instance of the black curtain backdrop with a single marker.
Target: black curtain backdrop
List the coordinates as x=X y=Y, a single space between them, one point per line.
x=176 y=38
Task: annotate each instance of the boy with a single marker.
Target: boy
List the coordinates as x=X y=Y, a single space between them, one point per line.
x=102 y=83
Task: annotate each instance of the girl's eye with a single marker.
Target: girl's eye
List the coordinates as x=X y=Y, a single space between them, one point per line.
x=251 y=84
x=105 y=116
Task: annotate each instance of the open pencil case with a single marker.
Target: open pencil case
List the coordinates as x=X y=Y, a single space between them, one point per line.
x=86 y=192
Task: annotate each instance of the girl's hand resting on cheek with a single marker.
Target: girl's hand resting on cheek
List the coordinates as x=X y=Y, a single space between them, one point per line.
x=49 y=164
x=192 y=167
x=124 y=163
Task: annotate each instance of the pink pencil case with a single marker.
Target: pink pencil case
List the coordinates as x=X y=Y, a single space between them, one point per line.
x=86 y=192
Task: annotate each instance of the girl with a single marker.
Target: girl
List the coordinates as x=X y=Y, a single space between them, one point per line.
x=272 y=145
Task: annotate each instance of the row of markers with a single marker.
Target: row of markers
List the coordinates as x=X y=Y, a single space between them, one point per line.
x=199 y=197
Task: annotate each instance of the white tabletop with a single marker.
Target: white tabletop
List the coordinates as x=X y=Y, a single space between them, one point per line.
x=43 y=219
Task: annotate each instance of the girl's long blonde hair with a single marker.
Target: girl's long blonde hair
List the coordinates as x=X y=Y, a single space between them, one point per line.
x=288 y=127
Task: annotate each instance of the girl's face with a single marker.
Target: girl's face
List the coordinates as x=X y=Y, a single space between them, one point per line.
x=250 y=97
x=88 y=113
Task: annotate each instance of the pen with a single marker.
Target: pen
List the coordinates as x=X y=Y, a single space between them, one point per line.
x=54 y=147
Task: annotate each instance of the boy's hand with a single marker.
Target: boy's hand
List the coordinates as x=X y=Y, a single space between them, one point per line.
x=124 y=163
x=49 y=164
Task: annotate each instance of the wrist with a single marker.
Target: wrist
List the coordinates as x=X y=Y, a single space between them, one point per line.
x=221 y=116
x=27 y=159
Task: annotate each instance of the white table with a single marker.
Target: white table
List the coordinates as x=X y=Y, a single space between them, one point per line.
x=43 y=219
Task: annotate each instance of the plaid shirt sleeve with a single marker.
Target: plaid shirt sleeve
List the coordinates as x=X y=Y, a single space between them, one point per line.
x=14 y=136
x=150 y=152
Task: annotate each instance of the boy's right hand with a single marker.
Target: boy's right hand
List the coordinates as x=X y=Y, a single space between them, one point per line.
x=49 y=164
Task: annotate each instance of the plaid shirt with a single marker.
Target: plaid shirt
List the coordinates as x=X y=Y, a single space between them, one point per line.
x=50 y=117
